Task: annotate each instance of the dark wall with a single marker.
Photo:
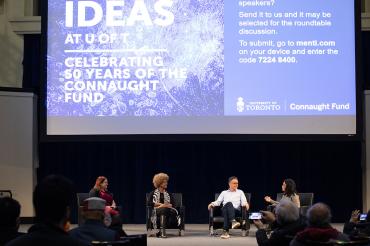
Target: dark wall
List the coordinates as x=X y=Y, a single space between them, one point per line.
x=365 y=61
x=332 y=170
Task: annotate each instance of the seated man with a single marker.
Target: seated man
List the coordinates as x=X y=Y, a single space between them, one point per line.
x=233 y=200
x=52 y=200
x=319 y=229
x=357 y=229
x=94 y=228
x=10 y=210
x=285 y=224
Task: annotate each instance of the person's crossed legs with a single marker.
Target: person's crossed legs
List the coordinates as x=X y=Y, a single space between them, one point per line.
x=229 y=213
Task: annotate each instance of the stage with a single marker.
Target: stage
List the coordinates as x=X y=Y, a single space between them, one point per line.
x=195 y=234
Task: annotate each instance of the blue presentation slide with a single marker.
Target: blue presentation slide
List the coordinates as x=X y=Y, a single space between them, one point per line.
x=200 y=58
x=289 y=57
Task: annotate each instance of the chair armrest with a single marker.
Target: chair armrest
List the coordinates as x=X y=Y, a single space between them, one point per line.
x=182 y=216
x=212 y=210
x=148 y=212
x=244 y=213
x=148 y=216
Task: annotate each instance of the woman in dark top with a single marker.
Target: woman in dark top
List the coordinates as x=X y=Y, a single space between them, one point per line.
x=289 y=193
x=162 y=203
x=112 y=218
x=101 y=190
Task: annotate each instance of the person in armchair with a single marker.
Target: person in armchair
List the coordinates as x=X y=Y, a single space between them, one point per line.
x=289 y=194
x=233 y=201
x=162 y=203
x=113 y=217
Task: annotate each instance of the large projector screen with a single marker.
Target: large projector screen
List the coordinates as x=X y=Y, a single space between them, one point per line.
x=200 y=67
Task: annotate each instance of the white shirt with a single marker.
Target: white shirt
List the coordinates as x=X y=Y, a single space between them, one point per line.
x=237 y=198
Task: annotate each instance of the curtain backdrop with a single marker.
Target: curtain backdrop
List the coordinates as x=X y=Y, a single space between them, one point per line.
x=331 y=170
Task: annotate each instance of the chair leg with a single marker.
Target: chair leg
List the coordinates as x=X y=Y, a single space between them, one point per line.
x=211 y=231
x=245 y=233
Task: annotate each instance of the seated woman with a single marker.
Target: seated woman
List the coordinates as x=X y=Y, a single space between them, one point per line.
x=289 y=193
x=112 y=218
x=161 y=201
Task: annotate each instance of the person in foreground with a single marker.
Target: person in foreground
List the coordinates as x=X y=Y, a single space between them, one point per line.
x=112 y=215
x=233 y=201
x=357 y=229
x=289 y=193
x=319 y=229
x=10 y=210
x=162 y=203
x=94 y=228
x=52 y=200
x=285 y=224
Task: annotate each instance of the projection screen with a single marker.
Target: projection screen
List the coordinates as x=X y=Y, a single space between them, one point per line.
x=123 y=67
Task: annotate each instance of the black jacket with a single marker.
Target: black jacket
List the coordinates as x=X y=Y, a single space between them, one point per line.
x=281 y=234
x=357 y=230
x=45 y=234
x=8 y=234
x=93 y=230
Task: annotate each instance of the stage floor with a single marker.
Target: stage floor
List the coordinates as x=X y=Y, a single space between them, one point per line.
x=195 y=234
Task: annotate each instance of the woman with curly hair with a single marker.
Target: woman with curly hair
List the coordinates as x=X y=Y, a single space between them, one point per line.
x=162 y=203
x=289 y=193
x=112 y=215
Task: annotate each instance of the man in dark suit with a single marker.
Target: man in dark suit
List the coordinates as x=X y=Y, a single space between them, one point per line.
x=52 y=199
x=94 y=228
x=10 y=210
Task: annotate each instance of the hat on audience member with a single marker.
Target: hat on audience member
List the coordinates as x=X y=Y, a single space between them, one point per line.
x=93 y=204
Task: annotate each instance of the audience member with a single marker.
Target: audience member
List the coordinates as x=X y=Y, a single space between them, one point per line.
x=10 y=210
x=94 y=228
x=319 y=229
x=357 y=229
x=52 y=200
x=285 y=224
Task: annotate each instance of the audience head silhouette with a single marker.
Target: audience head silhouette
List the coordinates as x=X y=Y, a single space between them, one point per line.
x=53 y=198
x=286 y=212
x=10 y=210
x=319 y=215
